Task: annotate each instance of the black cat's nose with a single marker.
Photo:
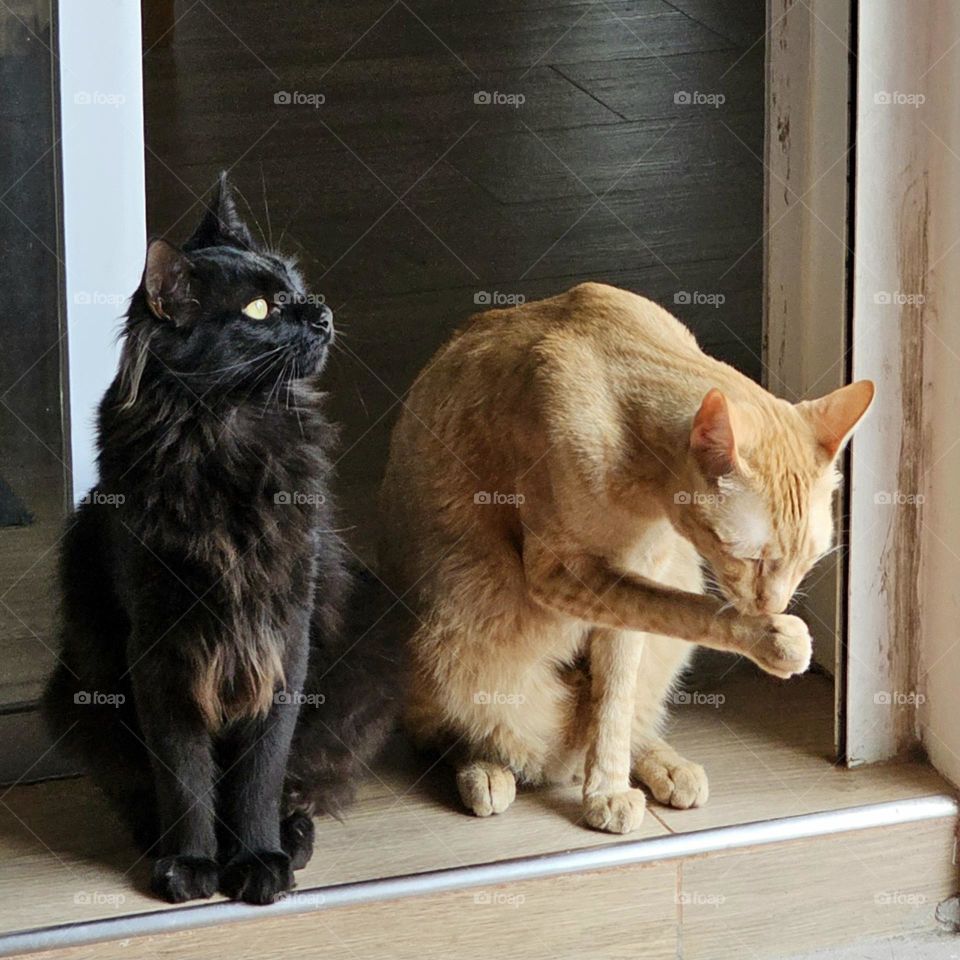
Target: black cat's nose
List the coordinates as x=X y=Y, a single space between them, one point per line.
x=322 y=319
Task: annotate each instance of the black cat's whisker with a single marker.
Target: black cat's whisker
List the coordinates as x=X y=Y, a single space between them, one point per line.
x=296 y=405
x=278 y=383
x=266 y=206
x=360 y=398
x=290 y=220
x=268 y=368
x=263 y=239
x=232 y=366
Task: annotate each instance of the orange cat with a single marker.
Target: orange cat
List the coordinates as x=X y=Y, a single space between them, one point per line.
x=557 y=475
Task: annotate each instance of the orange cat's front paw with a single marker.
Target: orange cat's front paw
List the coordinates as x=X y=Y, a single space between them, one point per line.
x=614 y=812
x=784 y=647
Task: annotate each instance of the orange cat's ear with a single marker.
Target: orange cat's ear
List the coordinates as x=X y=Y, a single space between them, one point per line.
x=712 y=440
x=834 y=416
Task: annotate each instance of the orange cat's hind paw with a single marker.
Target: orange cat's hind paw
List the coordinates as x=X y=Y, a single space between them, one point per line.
x=673 y=780
x=615 y=812
x=486 y=788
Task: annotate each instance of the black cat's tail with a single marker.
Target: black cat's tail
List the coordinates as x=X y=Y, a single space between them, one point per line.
x=350 y=701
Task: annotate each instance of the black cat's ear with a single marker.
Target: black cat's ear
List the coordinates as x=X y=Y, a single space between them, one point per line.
x=166 y=283
x=221 y=225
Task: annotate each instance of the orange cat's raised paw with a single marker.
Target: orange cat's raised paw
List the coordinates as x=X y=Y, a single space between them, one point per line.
x=784 y=647
x=615 y=812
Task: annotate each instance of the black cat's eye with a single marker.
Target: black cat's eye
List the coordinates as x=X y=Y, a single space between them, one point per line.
x=257 y=309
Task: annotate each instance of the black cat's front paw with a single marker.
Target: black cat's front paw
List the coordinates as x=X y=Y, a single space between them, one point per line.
x=180 y=878
x=257 y=877
x=296 y=838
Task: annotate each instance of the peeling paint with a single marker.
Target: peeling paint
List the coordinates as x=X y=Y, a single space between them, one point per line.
x=901 y=557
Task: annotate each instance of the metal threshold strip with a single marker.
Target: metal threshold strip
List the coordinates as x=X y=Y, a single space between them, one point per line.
x=628 y=853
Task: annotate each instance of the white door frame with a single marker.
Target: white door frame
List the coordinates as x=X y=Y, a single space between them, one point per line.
x=807 y=149
x=899 y=669
x=104 y=200
x=98 y=52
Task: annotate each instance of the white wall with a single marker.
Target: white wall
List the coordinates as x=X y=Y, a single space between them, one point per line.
x=939 y=667
x=904 y=630
x=101 y=98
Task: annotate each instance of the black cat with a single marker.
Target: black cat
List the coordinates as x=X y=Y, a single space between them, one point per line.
x=201 y=575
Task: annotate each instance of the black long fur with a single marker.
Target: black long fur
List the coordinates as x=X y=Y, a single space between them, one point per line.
x=207 y=604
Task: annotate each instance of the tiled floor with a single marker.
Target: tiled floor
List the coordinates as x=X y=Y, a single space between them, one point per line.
x=765 y=744
x=936 y=946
